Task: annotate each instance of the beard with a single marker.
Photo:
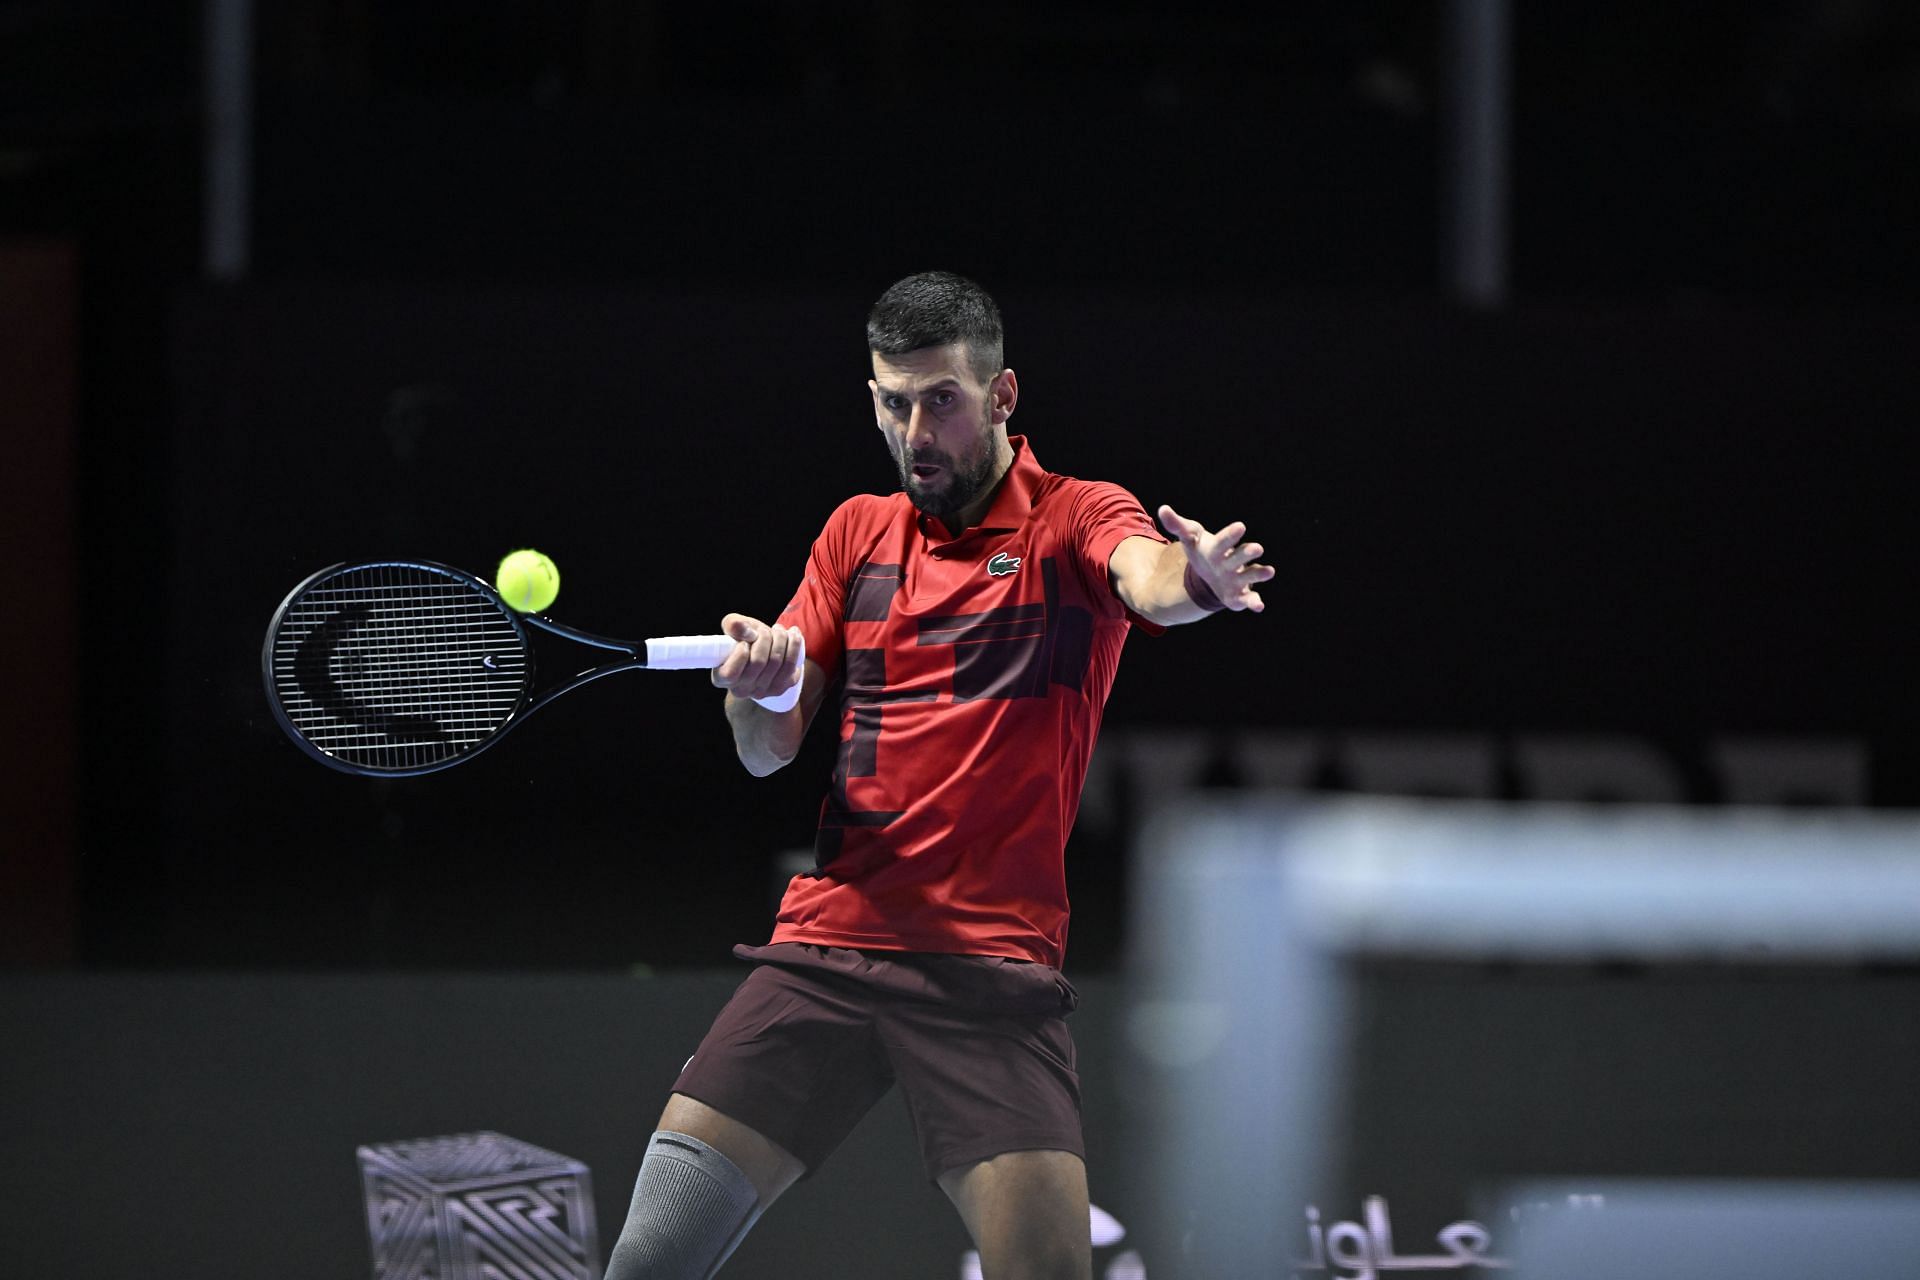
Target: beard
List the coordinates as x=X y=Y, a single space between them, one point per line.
x=966 y=478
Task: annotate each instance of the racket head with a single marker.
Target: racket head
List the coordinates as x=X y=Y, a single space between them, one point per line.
x=392 y=668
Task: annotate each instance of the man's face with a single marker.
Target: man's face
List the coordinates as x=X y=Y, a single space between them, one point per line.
x=941 y=425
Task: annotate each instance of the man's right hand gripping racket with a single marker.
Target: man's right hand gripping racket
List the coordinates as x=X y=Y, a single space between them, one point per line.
x=396 y=668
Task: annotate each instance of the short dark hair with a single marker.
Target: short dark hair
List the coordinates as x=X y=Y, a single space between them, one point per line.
x=933 y=309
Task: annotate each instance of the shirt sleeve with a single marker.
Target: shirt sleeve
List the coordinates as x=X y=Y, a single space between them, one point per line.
x=1104 y=516
x=819 y=604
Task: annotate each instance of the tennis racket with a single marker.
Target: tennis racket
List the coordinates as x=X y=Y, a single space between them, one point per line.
x=396 y=668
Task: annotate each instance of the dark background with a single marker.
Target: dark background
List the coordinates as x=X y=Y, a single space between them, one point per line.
x=590 y=276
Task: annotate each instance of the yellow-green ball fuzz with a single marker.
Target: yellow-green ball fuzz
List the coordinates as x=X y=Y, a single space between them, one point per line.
x=527 y=581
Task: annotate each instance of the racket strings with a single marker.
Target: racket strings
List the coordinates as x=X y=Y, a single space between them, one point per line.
x=397 y=667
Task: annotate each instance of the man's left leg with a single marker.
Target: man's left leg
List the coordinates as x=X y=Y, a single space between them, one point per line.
x=985 y=1061
x=1027 y=1214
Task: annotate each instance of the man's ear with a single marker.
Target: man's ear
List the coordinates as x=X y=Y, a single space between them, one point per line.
x=1005 y=394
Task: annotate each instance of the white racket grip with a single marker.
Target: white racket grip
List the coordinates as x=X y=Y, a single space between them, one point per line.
x=688 y=653
x=702 y=653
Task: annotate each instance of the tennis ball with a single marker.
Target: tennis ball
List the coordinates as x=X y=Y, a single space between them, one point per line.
x=527 y=581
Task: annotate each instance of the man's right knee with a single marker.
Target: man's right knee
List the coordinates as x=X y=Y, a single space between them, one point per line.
x=691 y=1207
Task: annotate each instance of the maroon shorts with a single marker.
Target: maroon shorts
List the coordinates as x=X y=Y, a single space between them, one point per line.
x=816 y=1035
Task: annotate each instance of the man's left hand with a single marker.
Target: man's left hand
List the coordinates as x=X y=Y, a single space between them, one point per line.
x=1221 y=561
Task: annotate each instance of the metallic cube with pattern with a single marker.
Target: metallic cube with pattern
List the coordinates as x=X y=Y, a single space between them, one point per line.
x=478 y=1206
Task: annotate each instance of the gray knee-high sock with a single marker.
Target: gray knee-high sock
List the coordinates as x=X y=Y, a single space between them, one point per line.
x=691 y=1206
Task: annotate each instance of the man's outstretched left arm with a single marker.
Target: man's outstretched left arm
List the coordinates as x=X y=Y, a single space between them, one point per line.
x=1199 y=573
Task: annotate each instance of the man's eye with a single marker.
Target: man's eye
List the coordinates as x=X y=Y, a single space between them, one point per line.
x=944 y=399
x=895 y=403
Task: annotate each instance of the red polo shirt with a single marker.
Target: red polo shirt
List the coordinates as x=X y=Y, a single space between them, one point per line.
x=972 y=674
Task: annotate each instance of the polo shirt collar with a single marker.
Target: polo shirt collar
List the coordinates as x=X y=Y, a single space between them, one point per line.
x=1012 y=504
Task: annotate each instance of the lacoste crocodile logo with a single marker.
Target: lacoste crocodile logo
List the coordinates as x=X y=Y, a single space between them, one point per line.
x=1003 y=564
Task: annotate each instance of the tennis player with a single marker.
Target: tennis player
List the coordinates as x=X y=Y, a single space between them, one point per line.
x=967 y=630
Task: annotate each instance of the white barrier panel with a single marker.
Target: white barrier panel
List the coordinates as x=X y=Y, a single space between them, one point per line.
x=1723 y=1230
x=1564 y=882
x=1246 y=910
